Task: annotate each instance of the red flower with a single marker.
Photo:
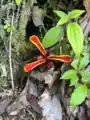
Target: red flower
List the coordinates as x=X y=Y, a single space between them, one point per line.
x=44 y=57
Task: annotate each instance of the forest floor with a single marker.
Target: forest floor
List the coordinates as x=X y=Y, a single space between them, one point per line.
x=38 y=94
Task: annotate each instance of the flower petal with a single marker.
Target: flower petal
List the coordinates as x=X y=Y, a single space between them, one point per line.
x=35 y=40
x=28 y=67
x=63 y=58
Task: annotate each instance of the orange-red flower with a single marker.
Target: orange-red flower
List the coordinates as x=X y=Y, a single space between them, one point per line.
x=44 y=57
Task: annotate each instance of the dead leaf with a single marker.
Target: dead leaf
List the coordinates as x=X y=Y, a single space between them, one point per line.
x=74 y=110
x=38 y=15
x=37 y=22
x=55 y=87
x=3 y=105
x=18 y=104
x=34 y=103
x=44 y=118
x=50 y=78
x=82 y=115
x=5 y=99
x=32 y=96
x=37 y=75
x=29 y=93
x=31 y=88
x=51 y=108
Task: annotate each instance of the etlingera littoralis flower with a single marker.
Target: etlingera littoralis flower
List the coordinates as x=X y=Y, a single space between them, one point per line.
x=45 y=56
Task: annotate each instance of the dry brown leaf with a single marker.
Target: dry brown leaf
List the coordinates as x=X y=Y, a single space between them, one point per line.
x=27 y=98
x=51 y=107
x=31 y=88
x=18 y=104
x=44 y=118
x=32 y=96
x=82 y=114
x=37 y=75
x=21 y=102
x=50 y=78
x=6 y=98
x=34 y=103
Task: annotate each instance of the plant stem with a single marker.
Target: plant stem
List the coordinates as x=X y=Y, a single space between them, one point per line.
x=10 y=54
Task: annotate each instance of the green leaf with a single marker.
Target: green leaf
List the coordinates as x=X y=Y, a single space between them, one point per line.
x=60 y=13
x=74 y=80
x=52 y=36
x=84 y=62
x=62 y=21
x=18 y=2
x=69 y=74
x=79 y=95
x=75 y=37
x=74 y=63
x=85 y=76
x=75 y=14
x=63 y=16
x=8 y=29
x=6 y=26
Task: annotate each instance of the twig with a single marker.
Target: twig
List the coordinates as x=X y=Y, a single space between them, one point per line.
x=31 y=114
x=10 y=54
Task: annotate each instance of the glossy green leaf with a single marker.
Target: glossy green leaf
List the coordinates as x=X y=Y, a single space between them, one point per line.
x=79 y=95
x=74 y=80
x=84 y=62
x=60 y=13
x=18 y=2
x=69 y=74
x=62 y=21
x=74 y=63
x=75 y=14
x=75 y=37
x=52 y=36
x=85 y=76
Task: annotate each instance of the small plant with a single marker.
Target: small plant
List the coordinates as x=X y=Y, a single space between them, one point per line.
x=64 y=18
x=45 y=57
x=79 y=78
x=9 y=27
